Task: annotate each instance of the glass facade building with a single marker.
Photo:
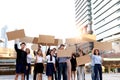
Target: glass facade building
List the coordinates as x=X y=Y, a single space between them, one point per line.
x=106 y=19
x=83 y=15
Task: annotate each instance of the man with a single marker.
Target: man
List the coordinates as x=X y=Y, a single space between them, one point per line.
x=62 y=65
x=21 y=60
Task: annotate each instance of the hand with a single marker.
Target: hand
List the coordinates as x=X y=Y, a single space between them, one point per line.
x=16 y=41
x=26 y=67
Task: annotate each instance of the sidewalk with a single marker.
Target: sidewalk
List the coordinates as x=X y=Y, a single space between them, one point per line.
x=106 y=76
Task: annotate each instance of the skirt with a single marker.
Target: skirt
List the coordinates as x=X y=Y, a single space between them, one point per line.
x=38 y=68
x=50 y=69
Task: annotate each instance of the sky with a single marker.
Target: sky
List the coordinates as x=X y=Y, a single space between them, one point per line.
x=49 y=17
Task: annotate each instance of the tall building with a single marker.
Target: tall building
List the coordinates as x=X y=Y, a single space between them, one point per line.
x=106 y=19
x=4 y=36
x=83 y=19
x=83 y=15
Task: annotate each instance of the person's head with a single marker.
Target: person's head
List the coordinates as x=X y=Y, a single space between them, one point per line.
x=23 y=44
x=73 y=55
x=27 y=50
x=54 y=50
x=61 y=46
x=39 y=52
x=96 y=52
x=51 y=52
x=81 y=53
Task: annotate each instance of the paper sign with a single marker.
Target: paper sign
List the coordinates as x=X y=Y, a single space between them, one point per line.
x=72 y=48
x=103 y=45
x=64 y=53
x=46 y=39
x=56 y=42
x=17 y=34
x=88 y=37
x=73 y=40
x=83 y=60
x=26 y=39
x=82 y=38
x=34 y=47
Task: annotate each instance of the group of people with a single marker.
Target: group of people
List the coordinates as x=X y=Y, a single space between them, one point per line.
x=56 y=68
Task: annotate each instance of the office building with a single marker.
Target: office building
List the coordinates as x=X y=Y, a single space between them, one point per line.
x=106 y=19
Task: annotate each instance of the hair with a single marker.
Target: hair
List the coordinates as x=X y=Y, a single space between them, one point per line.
x=95 y=52
x=73 y=54
x=51 y=55
x=61 y=46
x=80 y=50
x=28 y=50
x=41 y=52
x=22 y=43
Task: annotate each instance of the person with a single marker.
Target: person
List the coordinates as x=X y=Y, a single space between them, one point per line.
x=97 y=59
x=80 y=70
x=62 y=65
x=68 y=68
x=73 y=66
x=35 y=54
x=50 y=67
x=56 y=65
x=92 y=67
x=28 y=68
x=39 y=67
x=21 y=59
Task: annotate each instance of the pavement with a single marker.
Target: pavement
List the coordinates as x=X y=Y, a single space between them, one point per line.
x=106 y=76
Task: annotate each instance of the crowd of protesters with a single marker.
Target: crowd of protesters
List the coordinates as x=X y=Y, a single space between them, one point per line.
x=55 y=68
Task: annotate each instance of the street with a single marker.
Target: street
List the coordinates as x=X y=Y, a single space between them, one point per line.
x=106 y=76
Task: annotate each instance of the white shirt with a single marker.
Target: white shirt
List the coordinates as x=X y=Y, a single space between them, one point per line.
x=29 y=58
x=48 y=59
x=39 y=59
x=97 y=59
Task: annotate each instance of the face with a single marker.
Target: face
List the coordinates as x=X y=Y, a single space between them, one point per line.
x=23 y=46
x=39 y=52
x=52 y=52
x=97 y=52
x=62 y=47
x=27 y=50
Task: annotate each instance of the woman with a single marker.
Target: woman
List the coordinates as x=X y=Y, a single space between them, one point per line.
x=73 y=66
x=39 y=67
x=29 y=58
x=81 y=70
x=97 y=64
x=50 y=68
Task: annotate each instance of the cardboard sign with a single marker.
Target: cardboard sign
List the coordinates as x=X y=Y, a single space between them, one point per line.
x=34 y=47
x=17 y=34
x=88 y=37
x=83 y=60
x=46 y=39
x=56 y=42
x=64 y=53
x=82 y=38
x=35 y=40
x=73 y=40
x=103 y=45
x=26 y=39
x=72 y=48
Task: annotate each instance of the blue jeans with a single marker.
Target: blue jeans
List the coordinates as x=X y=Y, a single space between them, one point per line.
x=98 y=69
x=93 y=74
x=62 y=70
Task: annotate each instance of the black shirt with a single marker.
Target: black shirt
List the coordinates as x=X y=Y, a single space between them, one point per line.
x=21 y=57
